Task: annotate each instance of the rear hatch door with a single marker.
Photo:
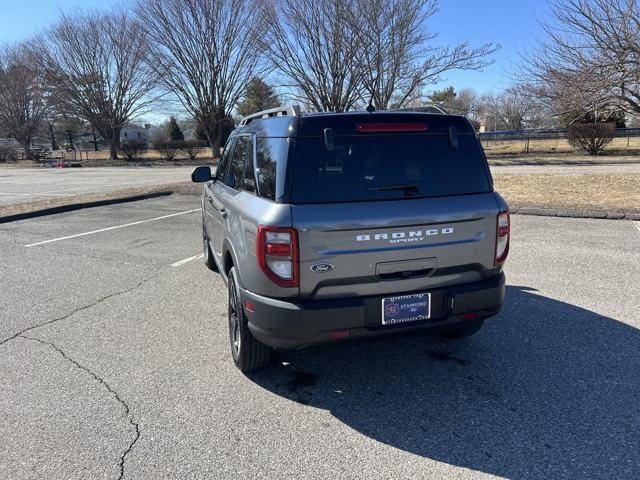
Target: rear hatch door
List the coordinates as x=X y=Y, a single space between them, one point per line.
x=382 y=212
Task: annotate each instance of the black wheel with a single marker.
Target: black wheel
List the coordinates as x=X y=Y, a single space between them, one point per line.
x=248 y=353
x=208 y=256
x=466 y=328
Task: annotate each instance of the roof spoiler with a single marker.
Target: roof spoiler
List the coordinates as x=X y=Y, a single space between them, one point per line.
x=286 y=111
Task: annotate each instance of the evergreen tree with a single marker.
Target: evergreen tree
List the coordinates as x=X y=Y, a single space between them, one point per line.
x=173 y=130
x=442 y=97
x=200 y=134
x=259 y=96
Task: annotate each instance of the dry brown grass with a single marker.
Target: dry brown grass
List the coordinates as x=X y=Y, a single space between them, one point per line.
x=610 y=193
x=182 y=188
x=511 y=147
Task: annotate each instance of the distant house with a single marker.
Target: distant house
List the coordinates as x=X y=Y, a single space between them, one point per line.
x=189 y=133
x=9 y=141
x=134 y=133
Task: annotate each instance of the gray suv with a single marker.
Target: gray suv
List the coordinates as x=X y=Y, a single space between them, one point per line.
x=334 y=226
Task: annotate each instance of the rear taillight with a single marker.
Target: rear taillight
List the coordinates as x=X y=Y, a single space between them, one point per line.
x=277 y=252
x=503 y=229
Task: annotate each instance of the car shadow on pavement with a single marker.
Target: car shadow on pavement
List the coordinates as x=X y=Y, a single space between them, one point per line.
x=545 y=390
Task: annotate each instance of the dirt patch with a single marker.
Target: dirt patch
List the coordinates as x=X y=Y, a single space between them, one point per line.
x=185 y=188
x=600 y=193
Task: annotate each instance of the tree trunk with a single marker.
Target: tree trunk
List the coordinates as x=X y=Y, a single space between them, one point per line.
x=113 y=149
x=214 y=137
x=113 y=139
x=27 y=150
x=95 y=140
x=70 y=136
x=26 y=144
x=52 y=137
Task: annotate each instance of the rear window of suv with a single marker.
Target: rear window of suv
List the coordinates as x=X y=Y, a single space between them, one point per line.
x=388 y=166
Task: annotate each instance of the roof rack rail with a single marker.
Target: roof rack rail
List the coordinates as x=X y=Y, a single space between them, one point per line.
x=287 y=111
x=426 y=109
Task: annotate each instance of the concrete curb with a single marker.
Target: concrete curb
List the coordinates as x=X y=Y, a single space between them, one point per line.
x=80 y=205
x=551 y=212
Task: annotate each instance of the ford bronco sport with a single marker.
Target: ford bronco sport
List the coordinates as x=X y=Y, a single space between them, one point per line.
x=335 y=226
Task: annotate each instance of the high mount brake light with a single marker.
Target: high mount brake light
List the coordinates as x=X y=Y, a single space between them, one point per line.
x=391 y=127
x=277 y=253
x=503 y=232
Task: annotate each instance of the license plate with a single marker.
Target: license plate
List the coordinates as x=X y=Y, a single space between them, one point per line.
x=406 y=308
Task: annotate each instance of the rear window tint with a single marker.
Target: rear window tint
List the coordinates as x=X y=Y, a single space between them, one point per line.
x=370 y=167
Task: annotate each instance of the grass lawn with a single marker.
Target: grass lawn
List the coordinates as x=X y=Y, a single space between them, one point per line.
x=606 y=192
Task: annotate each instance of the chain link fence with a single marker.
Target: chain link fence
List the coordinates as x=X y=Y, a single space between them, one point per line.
x=551 y=141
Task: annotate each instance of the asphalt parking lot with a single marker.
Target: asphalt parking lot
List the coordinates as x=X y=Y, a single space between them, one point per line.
x=114 y=363
x=21 y=185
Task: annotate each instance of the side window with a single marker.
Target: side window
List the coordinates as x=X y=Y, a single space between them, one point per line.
x=224 y=161
x=236 y=169
x=249 y=179
x=270 y=158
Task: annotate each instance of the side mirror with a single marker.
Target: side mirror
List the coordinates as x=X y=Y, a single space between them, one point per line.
x=201 y=174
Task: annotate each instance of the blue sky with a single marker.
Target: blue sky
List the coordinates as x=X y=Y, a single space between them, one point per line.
x=511 y=23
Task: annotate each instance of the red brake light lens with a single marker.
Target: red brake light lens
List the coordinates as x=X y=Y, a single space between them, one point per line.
x=503 y=232
x=278 y=249
x=277 y=253
x=391 y=127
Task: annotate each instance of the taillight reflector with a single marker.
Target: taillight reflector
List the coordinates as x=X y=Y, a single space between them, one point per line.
x=391 y=127
x=338 y=334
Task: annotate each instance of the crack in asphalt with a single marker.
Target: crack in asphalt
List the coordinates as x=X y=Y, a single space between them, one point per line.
x=79 y=309
x=129 y=415
x=115 y=394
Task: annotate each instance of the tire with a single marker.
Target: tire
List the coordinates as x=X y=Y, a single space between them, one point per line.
x=462 y=330
x=208 y=255
x=248 y=353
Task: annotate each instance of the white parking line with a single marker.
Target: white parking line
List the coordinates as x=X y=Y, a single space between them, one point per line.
x=187 y=260
x=111 y=228
x=637 y=224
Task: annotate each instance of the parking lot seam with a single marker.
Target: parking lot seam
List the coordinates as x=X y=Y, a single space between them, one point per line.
x=109 y=388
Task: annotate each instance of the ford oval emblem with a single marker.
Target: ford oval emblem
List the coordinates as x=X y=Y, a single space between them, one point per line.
x=322 y=267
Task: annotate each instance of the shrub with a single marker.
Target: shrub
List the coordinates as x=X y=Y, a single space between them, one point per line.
x=193 y=148
x=8 y=154
x=132 y=150
x=591 y=137
x=168 y=150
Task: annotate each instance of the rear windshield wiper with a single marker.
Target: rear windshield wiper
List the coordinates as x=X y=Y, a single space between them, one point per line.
x=409 y=188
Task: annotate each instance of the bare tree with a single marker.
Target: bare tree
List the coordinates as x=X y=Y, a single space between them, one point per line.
x=398 y=56
x=589 y=62
x=311 y=43
x=94 y=63
x=512 y=109
x=204 y=52
x=23 y=96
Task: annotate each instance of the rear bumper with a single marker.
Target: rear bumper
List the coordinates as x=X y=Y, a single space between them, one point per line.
x=282 y=324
